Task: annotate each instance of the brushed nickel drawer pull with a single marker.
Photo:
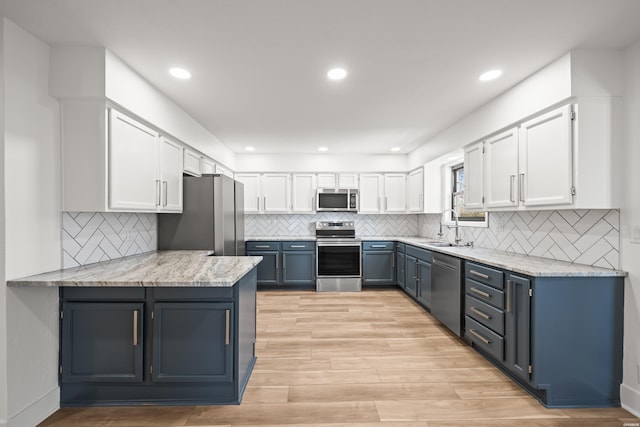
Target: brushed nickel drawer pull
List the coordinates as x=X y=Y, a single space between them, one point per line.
x=262 y=246
x=135 y=327
x=512 y=179
x=297 y=246
x=481 y=293
x=476 y=273
x=378 y=246
x=480 y=337
x=227 y=328
x=480 y=313
x=508 y=296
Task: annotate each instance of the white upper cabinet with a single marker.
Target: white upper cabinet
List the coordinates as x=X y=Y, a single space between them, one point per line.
x=415 y=190
x=395 y=192
x=208 y=167
x=501 y=170
x=134 y=183
x=546 y=171
x=252 y=191
x=193 y=162
x=473 y=176
x=337 y=180
x=224 y=171
x=371 y=193
x=170 y=175
x=275 y=193
x=303 y=193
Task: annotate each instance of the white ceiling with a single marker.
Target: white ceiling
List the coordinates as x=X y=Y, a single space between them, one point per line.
x=259 y=66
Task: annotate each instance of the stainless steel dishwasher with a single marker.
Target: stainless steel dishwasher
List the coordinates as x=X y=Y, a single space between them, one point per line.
x=446 y=293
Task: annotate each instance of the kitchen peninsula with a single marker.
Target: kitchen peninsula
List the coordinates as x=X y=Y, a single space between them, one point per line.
x=164 y=327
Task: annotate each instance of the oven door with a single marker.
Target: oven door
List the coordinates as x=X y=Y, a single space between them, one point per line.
x=337 y=258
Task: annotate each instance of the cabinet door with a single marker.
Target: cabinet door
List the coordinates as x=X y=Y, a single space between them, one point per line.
x=473 y=177
x=415 y=190
x=303 y=193
x=102 y=342
x=546 y=159
x=378 y=267
x=171 y=175
x=348 y=180
x=269 y=268
x=251 y=183
x=518 y=325
x=298 y=268
x=370 y=193
x=275 y=193
x=501 y=170
x=400 y=269
x=423 y=289
x=192 y=163
x=327 y=180
x=411 y=278
x=395 y=192
x=192 y=342
x=208 y=166
x=133 y=165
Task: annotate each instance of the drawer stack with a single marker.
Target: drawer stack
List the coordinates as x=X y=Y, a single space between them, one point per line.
x=484 y=308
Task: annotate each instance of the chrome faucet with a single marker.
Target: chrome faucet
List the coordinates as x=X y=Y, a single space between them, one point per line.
x=457 y=226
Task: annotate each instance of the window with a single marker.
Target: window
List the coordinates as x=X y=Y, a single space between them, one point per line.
x=455 y=200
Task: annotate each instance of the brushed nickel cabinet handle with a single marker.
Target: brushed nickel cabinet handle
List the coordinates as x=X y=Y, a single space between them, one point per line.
x=262 y=246
x=227 y=327
x=277 y=261
x=480 y=313
x=258 y=203
x=284 y=262
x=164 y=185
x=480 y=337
x=475 y=273
x=512 y=179
x=479 y=292
x=297 y=246
x=158 y=192
x=508 y=296
x=521 y=189
x=378 y=246
x=135 y=327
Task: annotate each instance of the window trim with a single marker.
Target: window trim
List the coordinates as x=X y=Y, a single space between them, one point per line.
x=448 y=171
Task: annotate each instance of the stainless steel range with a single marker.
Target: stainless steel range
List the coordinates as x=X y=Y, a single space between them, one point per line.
x=338 y=257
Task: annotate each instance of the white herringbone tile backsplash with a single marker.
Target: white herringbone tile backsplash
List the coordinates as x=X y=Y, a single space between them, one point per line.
x=590 y=237
x=303 y=225
x=89 y=237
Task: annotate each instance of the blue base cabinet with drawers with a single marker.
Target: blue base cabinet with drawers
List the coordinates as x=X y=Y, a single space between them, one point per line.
x=559 y=337
x=378 y=263
x=418 y=274
x=289 y=263
x=157 y=345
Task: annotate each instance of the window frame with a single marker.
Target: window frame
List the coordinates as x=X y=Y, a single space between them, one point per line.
x=450 y=193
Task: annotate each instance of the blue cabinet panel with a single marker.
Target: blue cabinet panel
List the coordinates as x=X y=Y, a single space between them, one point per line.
x=298 y=268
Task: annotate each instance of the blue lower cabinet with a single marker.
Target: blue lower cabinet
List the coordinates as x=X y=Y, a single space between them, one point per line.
x=411 y=275
x=269 y=269
x=400 y=267
x=173 y=345
x=423 y=288
x=289 y=263
x=298 y=268
x=378 y=263
x=418 y=274
x=103 y=342
x=192 y=342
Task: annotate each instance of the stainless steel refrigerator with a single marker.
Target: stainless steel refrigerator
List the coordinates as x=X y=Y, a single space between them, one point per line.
x=212 y=217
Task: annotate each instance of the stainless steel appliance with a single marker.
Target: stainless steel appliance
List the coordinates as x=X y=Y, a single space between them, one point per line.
x=212 y=217
x=446 y=291
x=337 y=200
x=338 y=257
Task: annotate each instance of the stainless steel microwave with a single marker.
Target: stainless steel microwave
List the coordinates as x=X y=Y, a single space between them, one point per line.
x=337 y=200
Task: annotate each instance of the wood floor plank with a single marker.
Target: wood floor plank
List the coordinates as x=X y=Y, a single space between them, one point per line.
x=266 y=394
x=368 y=392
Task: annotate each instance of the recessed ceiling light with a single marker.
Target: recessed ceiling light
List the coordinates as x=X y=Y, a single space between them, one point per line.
x=249 y=148
x=322 y=149
x=180 y=73
x=337 y=73
x=395 y=149
x=490 y=75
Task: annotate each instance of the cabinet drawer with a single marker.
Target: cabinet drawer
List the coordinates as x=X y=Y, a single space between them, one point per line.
x=419 y=253
x=485 y=338
x=400 y=247
x=483 y=274
x=263 y=246
x=377 y=246
x=484 y=293
x=298 y=246
x=489 y=316
x=193 y=293
x=105 y=293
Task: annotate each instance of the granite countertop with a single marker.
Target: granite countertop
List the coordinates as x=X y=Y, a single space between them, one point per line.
x=280 y=238
x=524 y=264
x=158 y=268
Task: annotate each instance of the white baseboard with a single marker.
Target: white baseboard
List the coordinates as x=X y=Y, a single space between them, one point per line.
x=630 y=399
x=38 y=411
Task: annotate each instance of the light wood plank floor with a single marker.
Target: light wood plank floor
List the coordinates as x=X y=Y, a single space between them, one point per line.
x=373 y=358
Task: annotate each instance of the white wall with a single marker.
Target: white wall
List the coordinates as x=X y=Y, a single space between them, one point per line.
x=321 y=163
x=32 y=236
x=3 y=288
x=630 y=217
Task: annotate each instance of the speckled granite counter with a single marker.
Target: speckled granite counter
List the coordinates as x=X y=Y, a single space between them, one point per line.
x=153 y=269
x=524 y=264
x=280 y=238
